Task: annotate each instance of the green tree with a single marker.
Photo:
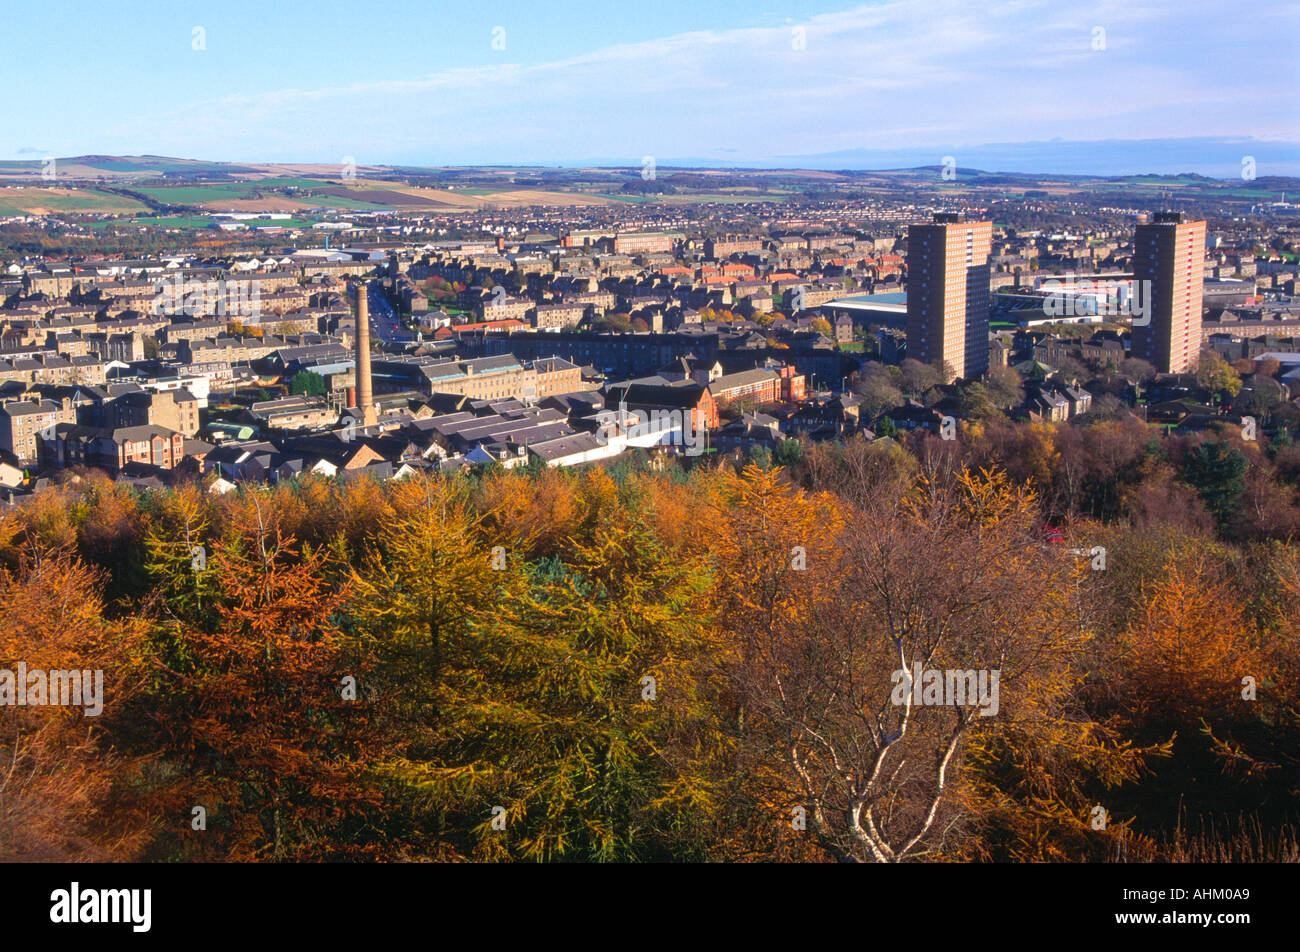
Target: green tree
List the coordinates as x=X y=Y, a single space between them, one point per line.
x=974 y=403
x=519 y=684
x=1218 y=472
x=591 y=730
x=788 y=453
x=308 y=383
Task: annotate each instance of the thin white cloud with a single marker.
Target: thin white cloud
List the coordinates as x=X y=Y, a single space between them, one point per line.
x=904 y=73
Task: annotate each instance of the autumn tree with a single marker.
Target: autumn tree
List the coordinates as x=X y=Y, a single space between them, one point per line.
x=1187 y=670
x=1216 y=374
x=1004 y=387
x=562 y=689
x=248 y=695
x=876 y=387
x=916 y=378
x=66 y=794
x=952 y=578
x=600 y=728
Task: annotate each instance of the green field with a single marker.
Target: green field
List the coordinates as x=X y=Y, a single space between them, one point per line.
x=22 y=201
x=268 y=188
x=625 y=197
x=178 y=221
x=216 y=196
x=1185 y=186
x=198 y=194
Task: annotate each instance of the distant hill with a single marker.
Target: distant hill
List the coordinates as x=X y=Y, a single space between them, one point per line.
x=1217 y=157
x=191 y=189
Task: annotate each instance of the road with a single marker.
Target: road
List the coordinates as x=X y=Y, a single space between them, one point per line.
x=385 y=323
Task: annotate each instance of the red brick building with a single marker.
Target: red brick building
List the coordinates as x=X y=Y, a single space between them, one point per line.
x=112 y=450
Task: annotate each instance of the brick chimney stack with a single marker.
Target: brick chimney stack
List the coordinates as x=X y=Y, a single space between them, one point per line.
x=365 y=396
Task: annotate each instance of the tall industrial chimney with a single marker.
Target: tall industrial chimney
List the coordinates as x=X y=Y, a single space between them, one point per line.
x=365 y=396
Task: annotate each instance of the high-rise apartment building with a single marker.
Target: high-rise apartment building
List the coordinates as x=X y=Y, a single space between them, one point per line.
x=1169 y=253
x=948 y=293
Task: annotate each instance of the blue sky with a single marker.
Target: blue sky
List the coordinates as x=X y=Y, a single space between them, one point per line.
x=722 y=81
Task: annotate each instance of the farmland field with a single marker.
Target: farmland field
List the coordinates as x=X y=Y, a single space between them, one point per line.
x=241 y=196
x=41 y=201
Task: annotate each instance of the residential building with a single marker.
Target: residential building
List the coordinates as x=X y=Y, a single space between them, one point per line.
x=1169 y=253
x=948 y=293
x=22 y=422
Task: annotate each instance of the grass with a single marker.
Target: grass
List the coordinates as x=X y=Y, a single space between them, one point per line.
x=195 y=194
x=21 y=201
x=176 y=221
x=269 y=188
x=1246 y=841
x=1186 y=187
x=625 y=197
